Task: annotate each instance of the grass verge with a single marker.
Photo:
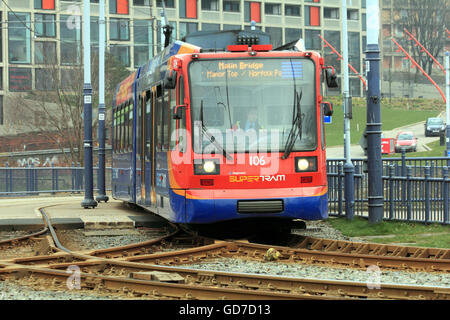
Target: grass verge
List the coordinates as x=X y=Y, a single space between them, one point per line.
x=394 y=114
x=415 y=234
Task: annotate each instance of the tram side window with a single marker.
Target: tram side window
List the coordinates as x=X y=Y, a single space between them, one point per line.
x=130 y=127
x=173 y=122
x=148 y=126
x=182 y=122
x=115 y=130
x=120 y=129
x=165 y=120
x=125 y=129
x=159 y=119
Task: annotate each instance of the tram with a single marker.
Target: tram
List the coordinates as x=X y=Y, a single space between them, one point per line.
x=222 y=128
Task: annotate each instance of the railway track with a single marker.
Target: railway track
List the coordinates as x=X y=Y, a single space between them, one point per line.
x=31 y=244
x=134 y=270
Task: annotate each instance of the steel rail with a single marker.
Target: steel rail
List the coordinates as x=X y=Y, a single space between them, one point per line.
x=156 y=288
x=252 y=282
x=21 y=238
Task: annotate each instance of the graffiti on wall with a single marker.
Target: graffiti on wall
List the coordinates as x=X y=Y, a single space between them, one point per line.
x=38 y=162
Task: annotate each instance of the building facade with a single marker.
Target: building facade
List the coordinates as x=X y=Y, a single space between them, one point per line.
x=38 y=33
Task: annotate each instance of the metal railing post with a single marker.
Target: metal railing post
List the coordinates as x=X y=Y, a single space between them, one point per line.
x=340 y=177
x=6 y=178
x=73 y=178
x=391 y=192
x=445 y=194
x=53 y=178
x=408 y=193
x=427 y=194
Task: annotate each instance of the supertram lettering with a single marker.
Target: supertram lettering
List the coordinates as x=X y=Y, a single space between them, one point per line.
x=238 y=179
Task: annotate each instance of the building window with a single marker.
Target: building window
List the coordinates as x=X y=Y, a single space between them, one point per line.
x=231 y=27
x=210 y=26
x=70 y=42
x=44 y=25
x=187 y=28
x=121 y=53
x=276 y=36
x=118 y=29
x=354 y=47
x=291 y=34
x=292 y=10
x=331 y=13
x=210 y=5
x=118 y=6
x=168 y=3
x=19 y=38
x=1 y=78
x=272 y=8
x=45 y=4
x=173 y=36
x=312 y=16
x=44 y=52
x=44 y=79
x=231 y=6
x=19 y=79
x=1 y=110
x=312 y=40
x=353 y=14
x=331 y=59
x=142 y=2
x=188 y=9
x=143 y=41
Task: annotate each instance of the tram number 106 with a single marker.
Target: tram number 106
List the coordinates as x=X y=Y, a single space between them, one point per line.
x=257 y=160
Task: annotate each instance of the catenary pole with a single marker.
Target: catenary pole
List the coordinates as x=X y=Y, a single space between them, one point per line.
x=87 y=110
x=349 y=169
x=374 y=162
x=101 y=107
x=447 y=103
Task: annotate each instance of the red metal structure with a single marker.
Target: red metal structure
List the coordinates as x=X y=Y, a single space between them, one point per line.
x=400 y=48
x=327 y=44
x=411 y=37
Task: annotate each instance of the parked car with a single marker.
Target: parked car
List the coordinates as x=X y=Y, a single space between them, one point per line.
x=434 y=127
x=405 y=140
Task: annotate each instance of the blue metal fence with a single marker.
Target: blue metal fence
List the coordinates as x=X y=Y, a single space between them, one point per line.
x=17 y=181
x=415 y=189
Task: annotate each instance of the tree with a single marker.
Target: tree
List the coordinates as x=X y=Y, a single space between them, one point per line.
x=56 y=105
x=427 y=21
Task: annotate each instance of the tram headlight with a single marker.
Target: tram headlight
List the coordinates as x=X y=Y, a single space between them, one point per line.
x=206 y=166
x=305 y=164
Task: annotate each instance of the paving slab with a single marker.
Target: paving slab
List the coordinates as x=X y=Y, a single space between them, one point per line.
x=67 y=213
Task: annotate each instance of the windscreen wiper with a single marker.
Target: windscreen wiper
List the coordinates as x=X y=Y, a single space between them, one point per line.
x=296 y=129
x=211 y=137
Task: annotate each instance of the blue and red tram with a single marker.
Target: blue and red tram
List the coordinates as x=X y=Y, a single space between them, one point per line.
x=206 y=136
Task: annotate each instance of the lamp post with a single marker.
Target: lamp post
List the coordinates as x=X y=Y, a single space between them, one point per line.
x=349 y=169
x=375 y=166
x=101 y=107
x=87 y=111
x=447 y=94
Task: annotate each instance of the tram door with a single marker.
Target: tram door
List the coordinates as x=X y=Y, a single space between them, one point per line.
x=147 y=145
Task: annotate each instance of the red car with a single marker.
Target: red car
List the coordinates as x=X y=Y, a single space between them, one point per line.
x=405 y=140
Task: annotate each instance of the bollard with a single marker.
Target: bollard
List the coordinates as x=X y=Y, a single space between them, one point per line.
x=445 y=194
x=427 y=194
x=391 y=192
x=349 y=171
